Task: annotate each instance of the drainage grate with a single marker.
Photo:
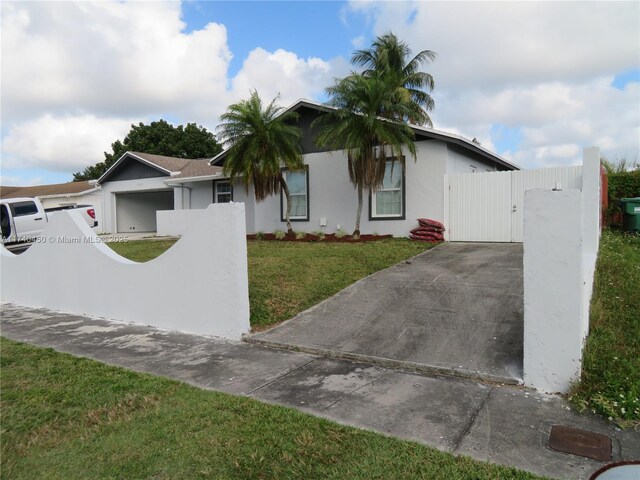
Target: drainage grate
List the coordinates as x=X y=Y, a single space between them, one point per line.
x=580 y=442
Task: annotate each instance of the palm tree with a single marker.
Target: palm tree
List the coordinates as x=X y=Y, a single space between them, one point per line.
x=260 y=141
x=355 y=125
x=390 y=58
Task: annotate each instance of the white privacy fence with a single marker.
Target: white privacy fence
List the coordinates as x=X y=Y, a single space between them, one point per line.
x=488 y=207
x=200 y=285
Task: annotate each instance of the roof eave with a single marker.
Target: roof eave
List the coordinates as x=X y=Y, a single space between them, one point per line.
x=197 y=178
x=77 y=194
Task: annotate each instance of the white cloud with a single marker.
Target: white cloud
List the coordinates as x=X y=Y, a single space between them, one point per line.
x=13 y=181
x=61 y=143
x=283 y=73
x=92 y=67
x=497 y=44
x=545 y=68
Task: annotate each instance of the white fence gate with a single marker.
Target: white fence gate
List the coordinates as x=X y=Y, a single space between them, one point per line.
x=487 y=207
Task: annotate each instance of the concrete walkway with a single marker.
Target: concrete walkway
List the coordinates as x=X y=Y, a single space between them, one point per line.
x=455 y=309
x=494 y=422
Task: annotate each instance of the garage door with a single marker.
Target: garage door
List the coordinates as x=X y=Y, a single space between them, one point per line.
x=136 y=211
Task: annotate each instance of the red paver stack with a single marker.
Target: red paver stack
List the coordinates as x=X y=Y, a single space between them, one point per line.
x=428 y=231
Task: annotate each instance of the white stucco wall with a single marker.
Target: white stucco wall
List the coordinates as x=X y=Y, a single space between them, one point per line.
x=332 y=196
x=201 y=194
x=200 y=285
x=561 y=235
x=175 y=223
x=457 y=162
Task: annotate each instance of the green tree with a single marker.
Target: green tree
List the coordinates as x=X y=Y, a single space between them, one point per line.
x=391 y=59
x=356 y=126
x=621 y=165
x=372 y=109
x=260 y=141
x=160 y=138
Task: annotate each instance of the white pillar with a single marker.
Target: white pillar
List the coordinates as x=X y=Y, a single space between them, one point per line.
x=591 y=205
x=554 y=327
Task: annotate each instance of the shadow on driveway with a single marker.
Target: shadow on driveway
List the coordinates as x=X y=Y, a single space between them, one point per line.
x=456 y=309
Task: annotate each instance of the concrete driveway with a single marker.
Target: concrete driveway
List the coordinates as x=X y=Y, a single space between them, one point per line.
x=455 y=309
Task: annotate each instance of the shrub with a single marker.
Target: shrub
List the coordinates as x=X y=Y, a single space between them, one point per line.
x=259 y=235
x=279 y=234
x=319 y=234
x=621 y=185
x=300 y=235
x=340 y=233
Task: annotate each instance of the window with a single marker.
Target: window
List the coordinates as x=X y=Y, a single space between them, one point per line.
x=298 y=183
x=20 y=209
x=388 y=201
x=223 y=192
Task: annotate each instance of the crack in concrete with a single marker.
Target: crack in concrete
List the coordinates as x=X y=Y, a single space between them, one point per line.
x=279 y=377
x=471 y=421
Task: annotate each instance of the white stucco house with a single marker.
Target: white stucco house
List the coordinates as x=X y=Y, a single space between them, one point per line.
x=139 y=184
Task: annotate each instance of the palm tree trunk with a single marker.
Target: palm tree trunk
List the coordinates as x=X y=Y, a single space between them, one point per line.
x=356 y=232
x=287 y=216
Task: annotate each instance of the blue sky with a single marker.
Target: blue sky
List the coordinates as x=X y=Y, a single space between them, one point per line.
x=311 y=29
x=535 y=82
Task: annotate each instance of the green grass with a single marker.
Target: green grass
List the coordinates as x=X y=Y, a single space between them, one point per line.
x=610 y=382
x=69 y=418
x=286 y=278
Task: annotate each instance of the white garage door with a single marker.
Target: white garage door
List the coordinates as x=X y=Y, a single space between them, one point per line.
x=136 y=211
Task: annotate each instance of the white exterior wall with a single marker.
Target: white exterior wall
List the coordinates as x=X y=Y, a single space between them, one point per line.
x=459 y=163
x=200 y=285
x=110 y=189
x=332 y=196
x=93 y=198
x=561 y=231
x=175 y=223
x=201 y=194
x=239 y=195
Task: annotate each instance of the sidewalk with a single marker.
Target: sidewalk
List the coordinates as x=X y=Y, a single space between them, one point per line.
x=499 y=423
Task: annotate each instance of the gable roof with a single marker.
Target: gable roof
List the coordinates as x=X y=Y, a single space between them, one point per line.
x=422 y=133
x=69 y=188
x=172 y=166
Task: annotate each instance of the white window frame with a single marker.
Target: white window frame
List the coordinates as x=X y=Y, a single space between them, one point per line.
x=216 y=193
x=283 y=198
x=385 y=216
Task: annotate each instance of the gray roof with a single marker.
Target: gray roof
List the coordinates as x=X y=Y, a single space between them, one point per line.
x=69 y=188
x=173 y=166
x=424 y=132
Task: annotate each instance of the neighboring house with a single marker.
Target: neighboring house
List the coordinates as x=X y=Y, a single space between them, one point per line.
x=139 y=184
x=61 y=195
x=323 y=199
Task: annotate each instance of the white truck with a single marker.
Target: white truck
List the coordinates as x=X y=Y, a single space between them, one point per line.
x=23 y=218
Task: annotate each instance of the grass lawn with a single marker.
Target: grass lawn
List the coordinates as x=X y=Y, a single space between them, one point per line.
x=286 y=278
x=610 y=383
x=64 y=417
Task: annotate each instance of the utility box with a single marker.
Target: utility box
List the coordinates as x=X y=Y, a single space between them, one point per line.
x=630 y=214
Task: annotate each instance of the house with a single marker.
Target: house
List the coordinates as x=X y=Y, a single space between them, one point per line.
x=62 y=195
x=323 y=199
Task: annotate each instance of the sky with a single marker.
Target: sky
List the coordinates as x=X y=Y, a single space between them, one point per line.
x=536 y=82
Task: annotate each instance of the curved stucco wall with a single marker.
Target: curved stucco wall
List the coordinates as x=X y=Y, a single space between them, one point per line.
x=200 y=285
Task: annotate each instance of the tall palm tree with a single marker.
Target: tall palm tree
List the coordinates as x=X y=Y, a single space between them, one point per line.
x=261 y=140
x=390 y=58
x=355 y=125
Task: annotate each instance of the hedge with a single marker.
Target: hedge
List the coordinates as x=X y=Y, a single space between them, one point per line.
x=621 y=185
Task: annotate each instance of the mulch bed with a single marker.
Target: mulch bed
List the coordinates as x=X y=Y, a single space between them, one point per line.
x=329 y=238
